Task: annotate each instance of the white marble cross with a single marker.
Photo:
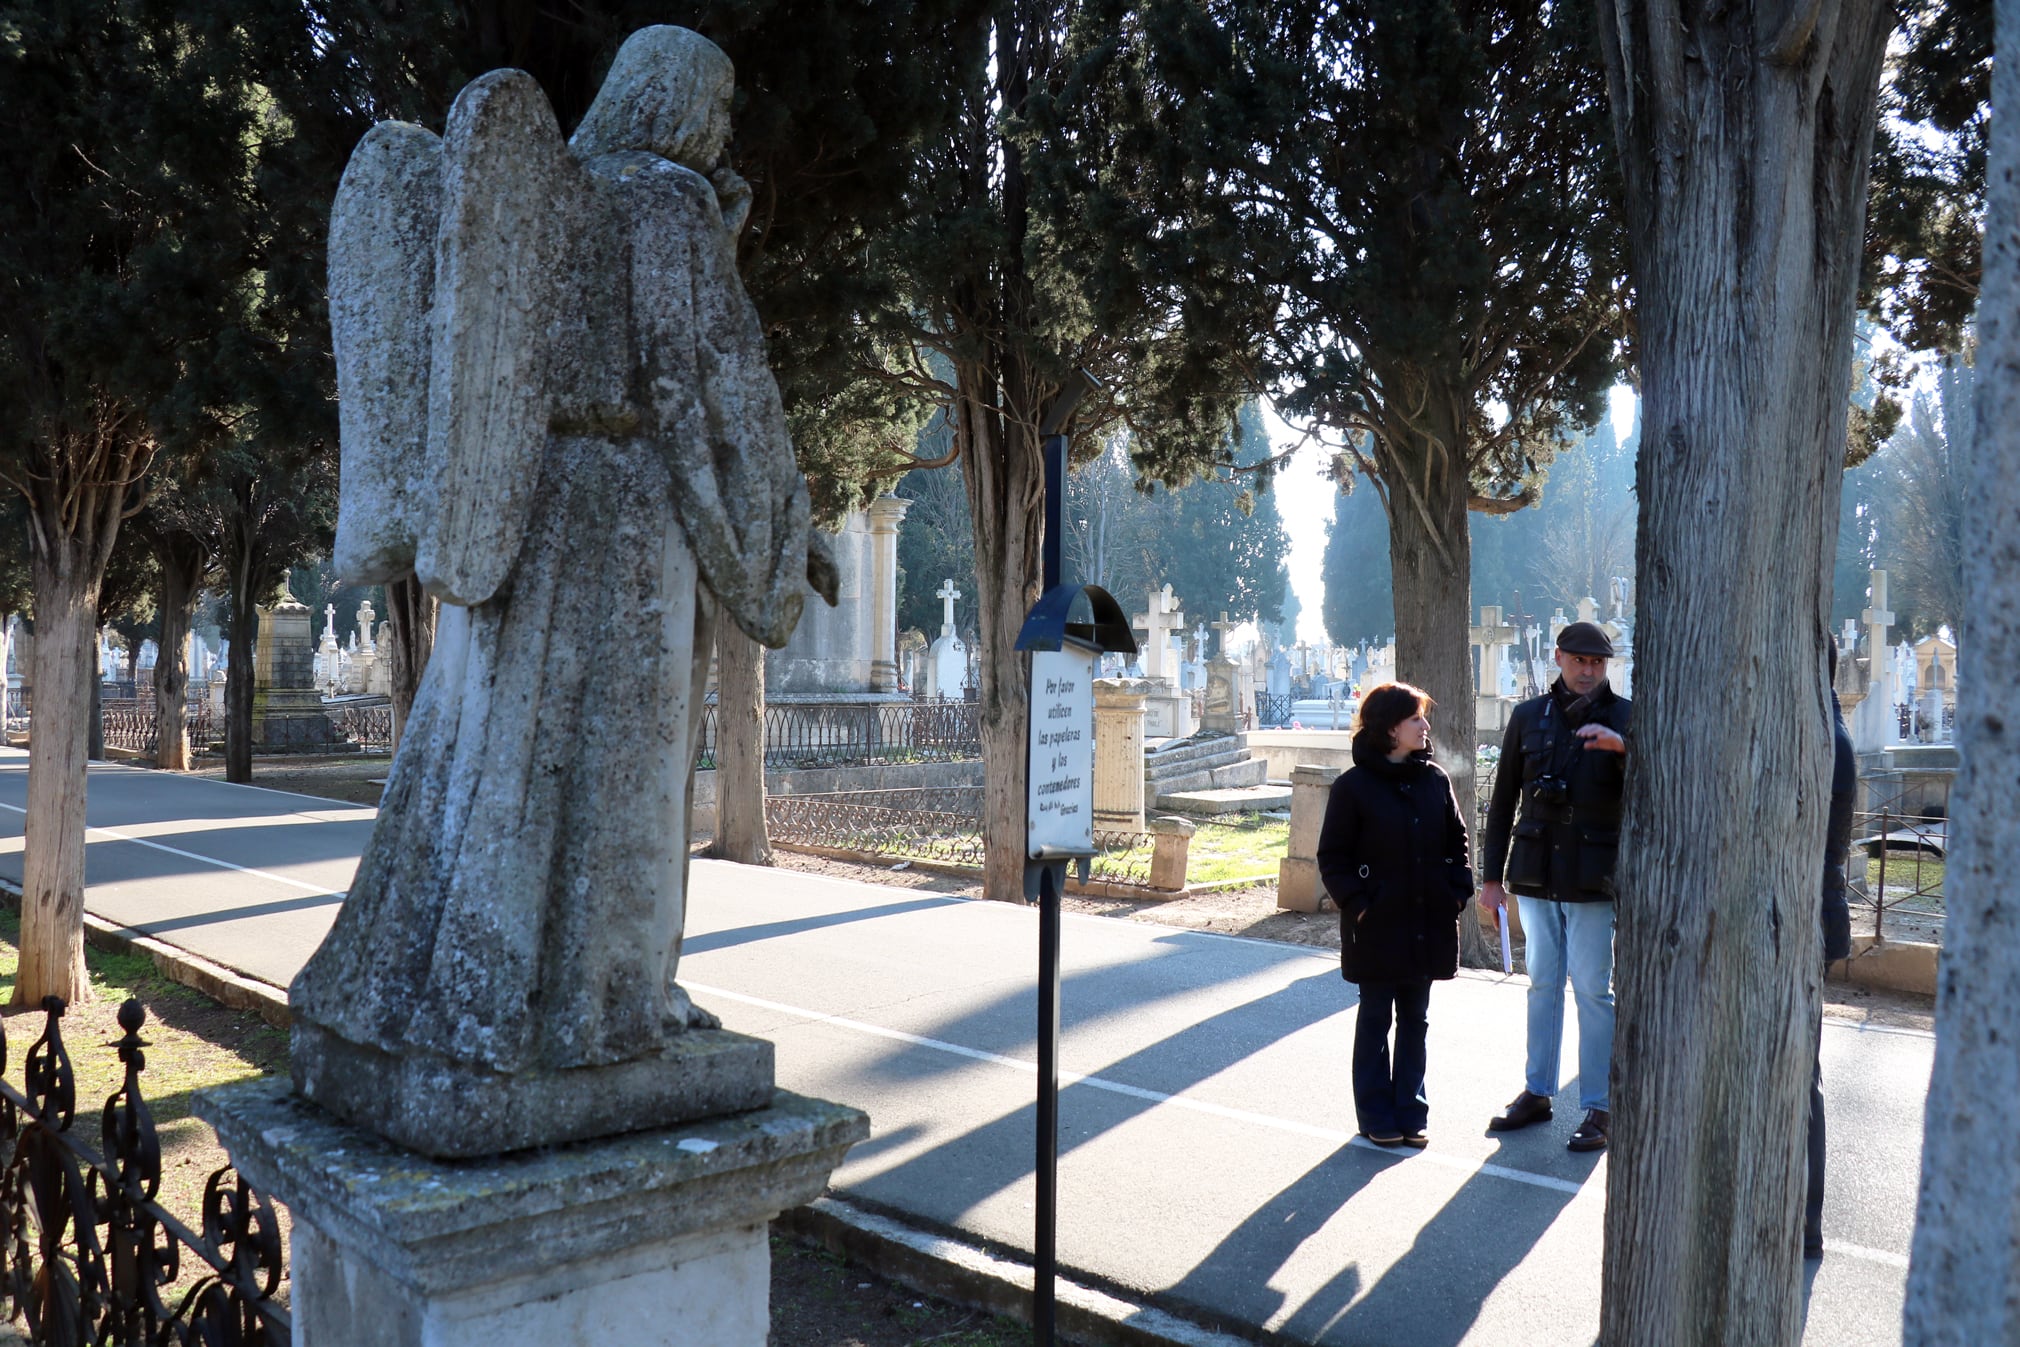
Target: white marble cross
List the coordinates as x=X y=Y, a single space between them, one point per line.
x=330 y=623
x=1158 y=622
x=1490 y=636
x=946 y=594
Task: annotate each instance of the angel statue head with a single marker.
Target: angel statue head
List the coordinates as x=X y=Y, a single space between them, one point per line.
x=667 y=92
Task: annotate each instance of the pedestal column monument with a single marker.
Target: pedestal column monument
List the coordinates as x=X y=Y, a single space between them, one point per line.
x=500 y=982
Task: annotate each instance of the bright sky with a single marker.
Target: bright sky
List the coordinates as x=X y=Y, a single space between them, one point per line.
x=1305 y=500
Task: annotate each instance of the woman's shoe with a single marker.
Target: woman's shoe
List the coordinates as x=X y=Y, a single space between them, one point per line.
x=1416 y=1140
x=1385 y=1139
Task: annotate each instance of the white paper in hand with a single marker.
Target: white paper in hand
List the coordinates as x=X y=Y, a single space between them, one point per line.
x=1507 y=959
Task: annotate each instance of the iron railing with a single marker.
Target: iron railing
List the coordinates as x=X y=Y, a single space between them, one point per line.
x=370 y=727
x=859 y=734
x=89 y=1255
x=1895 y=873
x=1272 y=709
x=130 y=725
x=942 y=825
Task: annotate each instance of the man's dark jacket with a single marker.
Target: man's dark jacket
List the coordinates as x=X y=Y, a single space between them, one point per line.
x=1564 y=851
x=1393 y=855
x=1838 y=838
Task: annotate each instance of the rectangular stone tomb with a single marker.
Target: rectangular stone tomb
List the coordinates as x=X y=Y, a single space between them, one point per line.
x=651 y=1238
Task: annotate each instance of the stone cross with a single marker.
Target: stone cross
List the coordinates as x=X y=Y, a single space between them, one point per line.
x=1588 y=610
x=946 y=594
x=1877 y=619
x=1158 y=620
x=1224 y=627
x=330 y=622
x=1490 y=636
x=365 y=616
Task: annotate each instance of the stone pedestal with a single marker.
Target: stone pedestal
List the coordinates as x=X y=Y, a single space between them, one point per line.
x=1299 y=888
x=1170 y=851
x=886 y=513
x=1222 y=713
x=287 y=715
x=650 y=1238
x=1118 y=753
x=1167 y=712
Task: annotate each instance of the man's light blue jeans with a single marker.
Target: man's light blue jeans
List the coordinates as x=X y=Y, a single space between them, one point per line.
x=1576 y=938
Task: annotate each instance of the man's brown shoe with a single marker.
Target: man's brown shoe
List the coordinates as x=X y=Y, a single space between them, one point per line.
x=1591 y=1134
x=1527 y=1108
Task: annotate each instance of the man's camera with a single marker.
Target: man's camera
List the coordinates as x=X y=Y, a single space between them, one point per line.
x=1553 y=791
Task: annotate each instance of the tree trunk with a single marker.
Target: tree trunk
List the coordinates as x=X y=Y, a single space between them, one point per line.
x=1964 y=1277
x=52 y=863
x=1005 y=479
x=1745 y=132
x=412 y=612
x=182 y=561
x=1432 y=569
x=740 y=749
x=238 y=687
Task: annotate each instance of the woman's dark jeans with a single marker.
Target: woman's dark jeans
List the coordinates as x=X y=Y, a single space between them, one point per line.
x=1389 y=1093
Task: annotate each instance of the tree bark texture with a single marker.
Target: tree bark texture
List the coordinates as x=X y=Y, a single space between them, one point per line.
x=52 y=864
x=238 y=686
x=1964 y=1273
x=1430 y=558
x=1005 y=478
x=740 y=833
x=412 y=613
x=182 y=563
x=1745 y=132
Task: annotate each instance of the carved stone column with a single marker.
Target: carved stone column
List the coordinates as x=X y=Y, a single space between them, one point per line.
x=885 y=514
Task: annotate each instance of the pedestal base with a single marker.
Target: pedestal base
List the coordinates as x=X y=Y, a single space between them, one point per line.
x=455 y=1110
x=651 y=1238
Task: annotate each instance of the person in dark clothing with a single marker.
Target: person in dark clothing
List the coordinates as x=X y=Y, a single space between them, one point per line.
x=1837 y=923
x=1563 y=760
x=1393 y=855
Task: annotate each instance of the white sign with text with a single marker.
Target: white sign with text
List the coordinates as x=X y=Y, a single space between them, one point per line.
x=1059 y=820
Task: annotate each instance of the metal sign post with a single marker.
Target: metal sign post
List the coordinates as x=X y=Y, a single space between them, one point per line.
x=1064 y=631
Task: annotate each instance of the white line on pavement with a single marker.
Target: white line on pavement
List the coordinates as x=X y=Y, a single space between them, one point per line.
x=194 y=856
x=1291 y=1125
x=1222 y=1111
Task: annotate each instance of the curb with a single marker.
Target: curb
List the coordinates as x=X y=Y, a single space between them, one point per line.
x=980 y=1280
x=232 y=990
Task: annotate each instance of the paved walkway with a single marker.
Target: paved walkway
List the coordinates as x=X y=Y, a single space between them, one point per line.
x=1207 y=1152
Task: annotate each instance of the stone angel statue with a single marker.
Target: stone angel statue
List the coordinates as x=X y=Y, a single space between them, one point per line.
x=556 y=409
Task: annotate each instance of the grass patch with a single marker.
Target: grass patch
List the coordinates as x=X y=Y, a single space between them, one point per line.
x=1247 y=846
x=1913 y=880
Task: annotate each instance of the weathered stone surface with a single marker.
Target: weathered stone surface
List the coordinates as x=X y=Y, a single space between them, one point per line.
x=610 y=471
x=655 y=1237
x=406 y=1098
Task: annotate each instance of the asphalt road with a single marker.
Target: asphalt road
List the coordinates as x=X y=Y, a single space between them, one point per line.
x=1206 y=1133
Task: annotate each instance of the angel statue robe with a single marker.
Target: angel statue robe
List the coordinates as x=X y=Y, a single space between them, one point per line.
x=555 y=406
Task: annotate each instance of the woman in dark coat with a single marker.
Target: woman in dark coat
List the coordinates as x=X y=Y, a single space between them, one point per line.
x=1393 y=856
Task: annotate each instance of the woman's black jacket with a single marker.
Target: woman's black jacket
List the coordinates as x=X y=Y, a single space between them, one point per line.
x=1393 y=856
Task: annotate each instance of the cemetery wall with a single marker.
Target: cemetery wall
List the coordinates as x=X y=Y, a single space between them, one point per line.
x=1282 y=750
x=828 y=780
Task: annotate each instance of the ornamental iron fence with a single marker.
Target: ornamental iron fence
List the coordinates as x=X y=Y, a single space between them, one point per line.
x=941 y=825
x=130 y=725
x=1272 y=709
x=90 y=1257
x=858 y=734
x=369 y=727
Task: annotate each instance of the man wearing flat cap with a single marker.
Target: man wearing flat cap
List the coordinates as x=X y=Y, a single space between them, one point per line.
x=1563 y=762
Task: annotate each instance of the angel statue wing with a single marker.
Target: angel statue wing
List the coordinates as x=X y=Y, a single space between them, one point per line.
x=443 y=262
x=382 y=286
